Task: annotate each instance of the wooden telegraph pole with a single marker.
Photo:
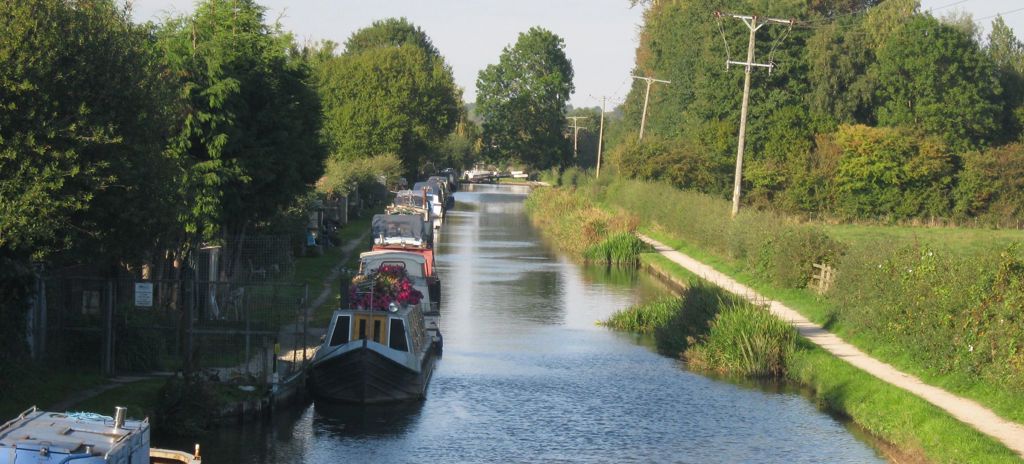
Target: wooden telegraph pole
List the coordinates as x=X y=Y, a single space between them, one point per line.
x=600 y=136
x=647 y=96
x=575 y=131
x=753 y=25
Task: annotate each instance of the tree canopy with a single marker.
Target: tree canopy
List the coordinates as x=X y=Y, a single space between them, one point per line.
x=522 y=101
x=845 y=70
x=249 y=136
x=389 y=92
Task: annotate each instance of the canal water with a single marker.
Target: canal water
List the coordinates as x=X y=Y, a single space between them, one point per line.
x=527 y=376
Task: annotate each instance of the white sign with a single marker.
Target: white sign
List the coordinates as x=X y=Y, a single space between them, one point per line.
x=144 y=294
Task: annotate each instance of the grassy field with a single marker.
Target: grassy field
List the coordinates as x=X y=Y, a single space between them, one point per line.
x=960 y=240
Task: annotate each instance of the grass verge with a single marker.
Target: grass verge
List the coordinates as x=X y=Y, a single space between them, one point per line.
x=738 y=339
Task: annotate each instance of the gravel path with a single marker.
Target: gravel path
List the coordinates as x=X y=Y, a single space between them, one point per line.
x=966 y=410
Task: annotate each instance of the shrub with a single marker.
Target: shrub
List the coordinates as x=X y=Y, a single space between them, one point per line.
x=646 y=317
x=744 y=340
x=623 y=248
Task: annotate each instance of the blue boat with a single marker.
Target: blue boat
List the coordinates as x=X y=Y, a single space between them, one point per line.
x=41 y=437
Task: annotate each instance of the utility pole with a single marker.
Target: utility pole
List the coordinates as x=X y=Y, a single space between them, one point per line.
x=647 y=96
x=575 y=131
x=600 y=137
x=752 y=24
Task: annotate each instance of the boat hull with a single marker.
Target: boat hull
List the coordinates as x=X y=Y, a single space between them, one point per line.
x=363 y=375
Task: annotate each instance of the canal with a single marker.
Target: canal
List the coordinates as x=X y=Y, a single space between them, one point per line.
x=527 y=376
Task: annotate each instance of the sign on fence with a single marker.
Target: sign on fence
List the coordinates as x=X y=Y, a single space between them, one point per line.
x=144 y=294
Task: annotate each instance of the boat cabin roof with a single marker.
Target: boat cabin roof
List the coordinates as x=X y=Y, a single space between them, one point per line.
x=53 y=433
x=414 y=263
x=399 y=226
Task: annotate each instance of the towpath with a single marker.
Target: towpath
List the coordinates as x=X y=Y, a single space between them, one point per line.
x=966 y=410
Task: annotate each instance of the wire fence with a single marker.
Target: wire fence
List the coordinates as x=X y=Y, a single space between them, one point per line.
x=243 y=331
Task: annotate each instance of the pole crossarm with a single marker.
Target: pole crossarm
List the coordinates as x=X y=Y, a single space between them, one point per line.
x=647 y=96
x=753 y=22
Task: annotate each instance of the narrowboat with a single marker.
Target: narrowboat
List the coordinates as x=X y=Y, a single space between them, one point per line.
x=41 y=437
x=382 y=345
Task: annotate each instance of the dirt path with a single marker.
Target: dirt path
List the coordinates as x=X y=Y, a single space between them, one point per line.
x=968 y=411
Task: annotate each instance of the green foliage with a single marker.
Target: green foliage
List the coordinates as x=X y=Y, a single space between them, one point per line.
x=645 y=318
x=991 y=184
x=249 y=139
x=676 y=162
x=951 y=314
x=522 y=101
x=344 y=176
x=82 y=117
x=390 y=32
x=390 y=92
x=186 y=407
x=575 y=225
x=745 y=340
x=759 y=242
x=863 y=63
x=933 y=76
x=623 y=248
x=887 y=172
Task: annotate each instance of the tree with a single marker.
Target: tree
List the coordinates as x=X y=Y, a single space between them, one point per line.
x=1007 y=52
x=522 y=101
x=391 y=32
x=934 y=77
x=82 y=125
x=249 y=137
x=387 y=100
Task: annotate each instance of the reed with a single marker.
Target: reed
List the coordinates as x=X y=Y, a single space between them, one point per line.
x=646 y=317
x=744 y=340
x=581 y=229
x=623 y=248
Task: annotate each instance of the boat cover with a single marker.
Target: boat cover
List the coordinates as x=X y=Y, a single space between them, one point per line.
x=399 y=226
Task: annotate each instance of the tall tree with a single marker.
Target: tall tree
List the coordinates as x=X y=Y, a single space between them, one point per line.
x=82 y=125
x=522 y=101
x=387 y=100
x=934 y=77
x=250 y=132
x=1007 y=52
x=389 y=92
x=390 y=32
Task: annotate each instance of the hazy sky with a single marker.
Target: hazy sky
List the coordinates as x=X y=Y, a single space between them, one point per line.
x=600 y=35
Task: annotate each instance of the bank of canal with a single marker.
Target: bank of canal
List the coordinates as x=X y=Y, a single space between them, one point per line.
x=527 y=376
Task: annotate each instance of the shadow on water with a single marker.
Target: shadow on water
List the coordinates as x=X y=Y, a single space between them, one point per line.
x=366 y=421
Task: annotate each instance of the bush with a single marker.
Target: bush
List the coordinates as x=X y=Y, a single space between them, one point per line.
x=186 y=406
x=744 y=340
x=623 y=248
x=645 y=318
x=574 y=224
x=759 y=242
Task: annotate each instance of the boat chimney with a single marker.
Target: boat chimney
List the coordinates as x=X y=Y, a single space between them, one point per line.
x=119 y=413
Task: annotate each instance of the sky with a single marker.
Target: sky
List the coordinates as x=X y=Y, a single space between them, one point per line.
x=600 y=36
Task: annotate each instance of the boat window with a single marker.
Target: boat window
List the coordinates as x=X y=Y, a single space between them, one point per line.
x=362 y=329
x=376 y=330
x=397 y=336
x=341 y=329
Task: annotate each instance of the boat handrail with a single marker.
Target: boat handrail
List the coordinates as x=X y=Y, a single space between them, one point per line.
x=20 y=417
